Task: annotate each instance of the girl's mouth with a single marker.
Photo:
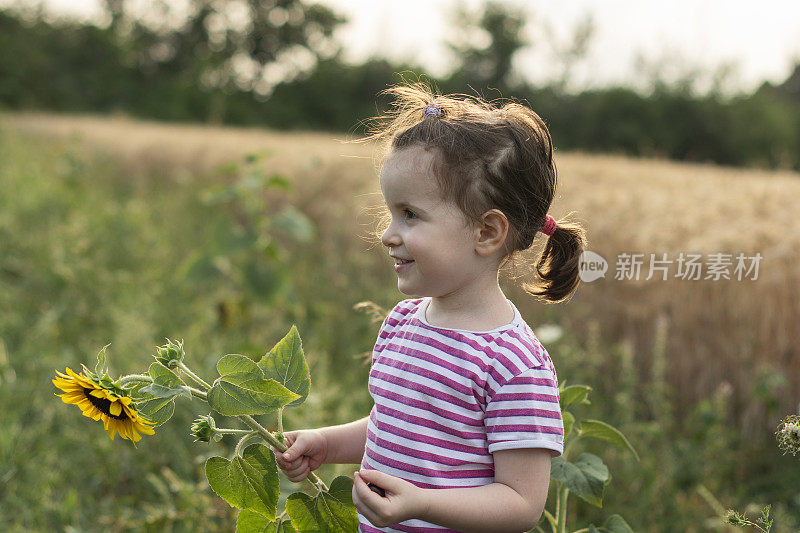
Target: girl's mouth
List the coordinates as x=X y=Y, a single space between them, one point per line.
x=401 y=264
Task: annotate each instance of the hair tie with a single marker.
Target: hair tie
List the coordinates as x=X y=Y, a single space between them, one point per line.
x=549 y=226
x=433 y=110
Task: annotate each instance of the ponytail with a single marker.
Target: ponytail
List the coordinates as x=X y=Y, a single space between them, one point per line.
x=558 y=267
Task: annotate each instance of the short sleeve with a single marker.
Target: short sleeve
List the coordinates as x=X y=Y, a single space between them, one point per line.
x=385 y=331
x=524 y=413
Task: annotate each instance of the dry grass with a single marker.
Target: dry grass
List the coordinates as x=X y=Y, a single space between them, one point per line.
x=718 y=331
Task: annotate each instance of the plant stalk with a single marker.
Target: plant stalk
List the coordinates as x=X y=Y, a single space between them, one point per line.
x=197 y=379
x=267 y=436
x=240 y=444
x=551 y=519
x=563 y=494
x=281 y=447
x=235 y=431
x=198 y=393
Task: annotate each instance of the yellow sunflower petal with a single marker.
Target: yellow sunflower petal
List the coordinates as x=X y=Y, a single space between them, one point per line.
x=99 y=393
x=134 y=436
x=84 y=406
x=73 y=400
x=72 y=374
x=147 y=430
x=79 y=378
x=65 y=385
x=115 y=408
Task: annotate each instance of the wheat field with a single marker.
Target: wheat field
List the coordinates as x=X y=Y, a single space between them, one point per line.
x=716 y=333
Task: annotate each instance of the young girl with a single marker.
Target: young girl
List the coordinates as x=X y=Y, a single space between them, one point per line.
x=466 y=415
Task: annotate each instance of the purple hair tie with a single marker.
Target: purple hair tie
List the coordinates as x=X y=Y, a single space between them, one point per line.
x=433 y=110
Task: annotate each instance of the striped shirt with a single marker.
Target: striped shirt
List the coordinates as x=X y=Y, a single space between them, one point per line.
x=446 y=399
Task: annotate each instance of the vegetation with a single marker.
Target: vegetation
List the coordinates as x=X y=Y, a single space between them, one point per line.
x=97 y=249
x=284 y=70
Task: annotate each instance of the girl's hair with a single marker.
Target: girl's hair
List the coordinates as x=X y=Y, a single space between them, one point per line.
x=490 y=158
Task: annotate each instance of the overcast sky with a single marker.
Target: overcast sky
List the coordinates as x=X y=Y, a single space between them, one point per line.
x=761 y=40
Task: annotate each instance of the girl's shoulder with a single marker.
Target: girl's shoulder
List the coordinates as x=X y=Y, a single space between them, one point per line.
x=402 y=312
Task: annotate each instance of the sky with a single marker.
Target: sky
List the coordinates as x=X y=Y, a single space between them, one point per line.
x=756 y=41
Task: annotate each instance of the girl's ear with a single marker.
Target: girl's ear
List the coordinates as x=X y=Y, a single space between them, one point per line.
x=491 y=232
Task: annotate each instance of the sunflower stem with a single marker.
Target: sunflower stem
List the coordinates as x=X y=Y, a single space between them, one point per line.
x=281 y=447
x=235 y=431
x=200 y=394
x=197 y=379
x=238 y=450
x=550 y=519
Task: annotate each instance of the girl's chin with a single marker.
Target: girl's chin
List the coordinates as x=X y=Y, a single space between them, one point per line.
x=408 y=290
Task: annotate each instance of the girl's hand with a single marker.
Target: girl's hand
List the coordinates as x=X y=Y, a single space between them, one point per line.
x=403 y=500
x=306 y=452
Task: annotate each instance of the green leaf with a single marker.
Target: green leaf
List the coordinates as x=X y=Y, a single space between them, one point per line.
x=574 y=394
x=166 y=384
x=328 y=512
x=286 y=364
x=614 y=524
x=156 y=409
x=247 y=482
x=294 y=223
x=135 y=381
x=252 y=522
x=586 y=477
x=277 y=181
x=242 y=389
x=569 y=422
x=601 y=430
x=101 y=368
x=161 y=391
x=302 y=510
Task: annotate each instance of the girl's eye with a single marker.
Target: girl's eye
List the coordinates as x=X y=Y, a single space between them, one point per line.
x=409 y=213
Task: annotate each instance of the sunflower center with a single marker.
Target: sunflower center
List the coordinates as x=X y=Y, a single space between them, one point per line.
x=104 y=405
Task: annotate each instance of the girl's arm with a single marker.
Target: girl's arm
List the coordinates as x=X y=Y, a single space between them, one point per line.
x=346 y=442
x=514 y=502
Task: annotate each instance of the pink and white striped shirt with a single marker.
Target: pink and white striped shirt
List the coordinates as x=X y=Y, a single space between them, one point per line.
x=446 y=399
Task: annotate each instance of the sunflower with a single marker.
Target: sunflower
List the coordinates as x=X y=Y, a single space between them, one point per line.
x=99 y=398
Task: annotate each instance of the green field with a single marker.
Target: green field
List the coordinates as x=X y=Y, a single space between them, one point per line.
x=104 y=245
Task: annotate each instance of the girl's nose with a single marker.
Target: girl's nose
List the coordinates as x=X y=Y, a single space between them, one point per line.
x=390 y=237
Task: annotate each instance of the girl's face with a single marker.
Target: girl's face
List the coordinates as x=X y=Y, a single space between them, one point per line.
x=428 y=231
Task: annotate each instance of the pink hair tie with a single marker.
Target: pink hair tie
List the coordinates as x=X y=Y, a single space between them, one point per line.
x=549 y=226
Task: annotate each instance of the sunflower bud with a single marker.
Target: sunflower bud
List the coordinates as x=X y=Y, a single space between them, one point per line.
x=733 y=518
x=204 y=429
x=170 y=355
x=789 y=435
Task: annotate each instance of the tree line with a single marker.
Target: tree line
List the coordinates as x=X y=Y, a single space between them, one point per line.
x=277 y=64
